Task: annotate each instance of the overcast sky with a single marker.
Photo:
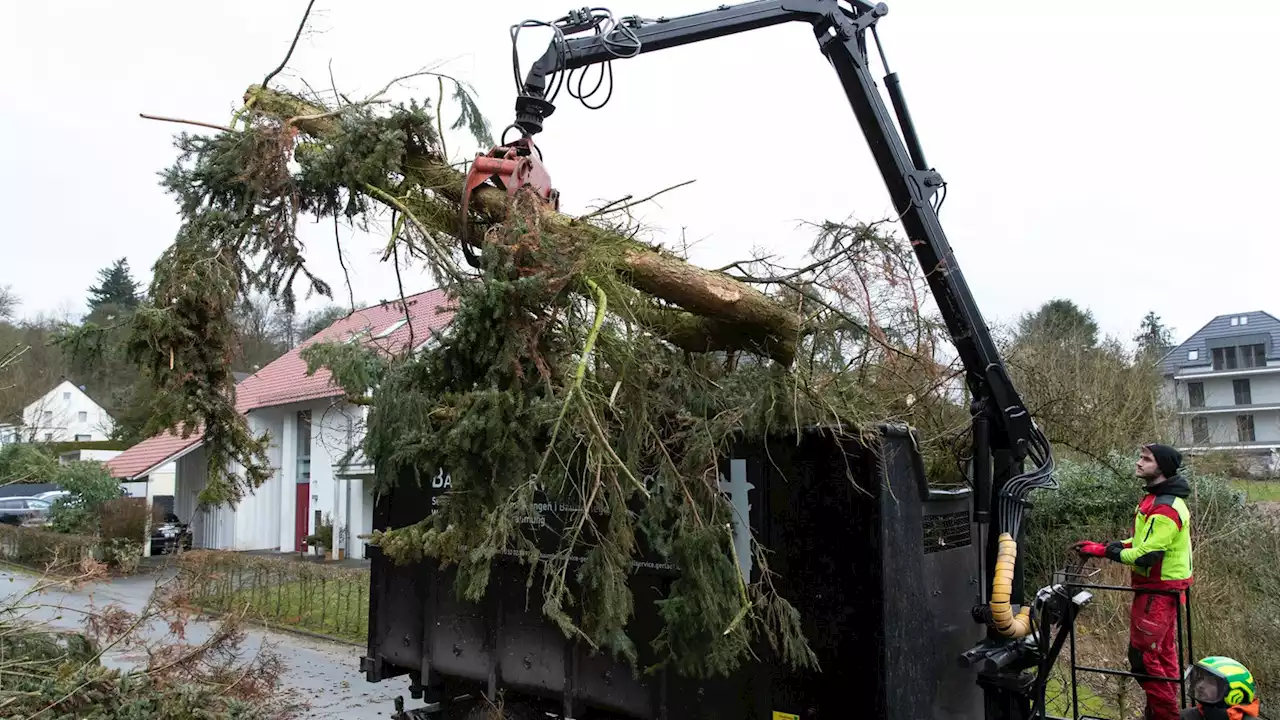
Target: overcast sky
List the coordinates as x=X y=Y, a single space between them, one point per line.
x=1118 y=154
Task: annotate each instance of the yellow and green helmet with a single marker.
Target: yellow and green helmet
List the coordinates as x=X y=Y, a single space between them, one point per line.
x=1220 y=679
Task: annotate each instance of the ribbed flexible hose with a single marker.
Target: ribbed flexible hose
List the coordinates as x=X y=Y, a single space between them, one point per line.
x=1002 y=617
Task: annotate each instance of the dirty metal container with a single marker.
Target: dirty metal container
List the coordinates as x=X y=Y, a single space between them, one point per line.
x=882 y=568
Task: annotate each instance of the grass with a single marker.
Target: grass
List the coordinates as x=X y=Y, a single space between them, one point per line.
x=1259 y=490
x=338 y=609
x=331 y=601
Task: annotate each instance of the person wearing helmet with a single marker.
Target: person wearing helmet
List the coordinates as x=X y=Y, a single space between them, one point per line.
x=1222 y=689
x=1159 y=555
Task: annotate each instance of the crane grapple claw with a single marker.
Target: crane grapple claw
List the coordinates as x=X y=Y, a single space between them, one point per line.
x=511 y=167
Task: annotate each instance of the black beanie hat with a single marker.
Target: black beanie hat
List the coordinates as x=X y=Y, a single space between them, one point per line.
x=1168 y=459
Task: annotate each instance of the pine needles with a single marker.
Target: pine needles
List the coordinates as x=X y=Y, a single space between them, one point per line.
x=582 y=369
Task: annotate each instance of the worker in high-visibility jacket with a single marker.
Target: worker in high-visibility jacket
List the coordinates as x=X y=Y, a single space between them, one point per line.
x=1159 y=553
x=1222 y=689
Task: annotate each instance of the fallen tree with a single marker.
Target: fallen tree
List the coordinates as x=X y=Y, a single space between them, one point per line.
x=720 y=311
x=579 y=360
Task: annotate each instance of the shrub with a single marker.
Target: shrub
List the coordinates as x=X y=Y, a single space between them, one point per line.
x=24 y=462
x=91 y=487
x=124 y=519
x=47 y=551
x=323 y=537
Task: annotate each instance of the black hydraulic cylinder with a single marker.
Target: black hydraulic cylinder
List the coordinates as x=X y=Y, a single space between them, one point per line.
x=981 y=464
x=894 y=87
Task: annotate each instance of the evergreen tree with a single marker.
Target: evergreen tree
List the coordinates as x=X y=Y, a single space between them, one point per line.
x=320 y=319
x=1154 y=338
x=116 y=287
x=1059 y=321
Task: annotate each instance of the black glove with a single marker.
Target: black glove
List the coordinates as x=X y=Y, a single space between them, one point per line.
x=1113 y=550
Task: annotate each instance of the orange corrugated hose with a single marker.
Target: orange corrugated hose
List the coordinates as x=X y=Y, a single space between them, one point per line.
x=1002 y=617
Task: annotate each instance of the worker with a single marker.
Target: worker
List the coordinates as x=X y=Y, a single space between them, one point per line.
x=1222 y=689
x=1159 y=553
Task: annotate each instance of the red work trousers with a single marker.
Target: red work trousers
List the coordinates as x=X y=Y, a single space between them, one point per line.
x=1153 y=650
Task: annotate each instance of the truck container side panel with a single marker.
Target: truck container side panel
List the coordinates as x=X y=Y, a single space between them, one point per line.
x=397 y=598
x=880 y=569
x=934 y=538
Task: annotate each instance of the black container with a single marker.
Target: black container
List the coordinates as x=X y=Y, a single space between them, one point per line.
x=883 y=571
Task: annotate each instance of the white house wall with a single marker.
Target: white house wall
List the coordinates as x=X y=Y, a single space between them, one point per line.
x=337 y=428
x=189 y=479
x=257 y=515
x=136 y=489
x=251 y=525
x=283 y=424
x=334 y=425
x=1223 y=429
x=64 y=413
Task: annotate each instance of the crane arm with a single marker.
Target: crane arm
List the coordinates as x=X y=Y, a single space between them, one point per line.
x=1004 y=431
x=840 y=30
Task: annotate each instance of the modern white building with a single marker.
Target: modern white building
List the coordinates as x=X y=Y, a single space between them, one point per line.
x=1223 y=383
x=311 y=427
x=64 y=414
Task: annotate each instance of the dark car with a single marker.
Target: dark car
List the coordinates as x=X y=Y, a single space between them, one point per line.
x=170 y=535
x=23 y=510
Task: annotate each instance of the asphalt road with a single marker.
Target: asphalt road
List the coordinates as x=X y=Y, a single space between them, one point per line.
x=323 y=676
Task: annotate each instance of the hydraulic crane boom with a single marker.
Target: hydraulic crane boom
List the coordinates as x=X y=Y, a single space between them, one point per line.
x=841 y=35
x=1004 y=431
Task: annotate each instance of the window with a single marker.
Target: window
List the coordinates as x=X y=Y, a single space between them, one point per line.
x=1224 y=358
x=1244 y=319
x=1253 y=355
x=1195 y=394
x=48 y=416
x=1242 y=391
x=1244 y=428
x=1200 y=429
x=84 y=438
x=1193 y=354
x=48 y=437
x=66 y=396
x=304 y=446
x=82 y=416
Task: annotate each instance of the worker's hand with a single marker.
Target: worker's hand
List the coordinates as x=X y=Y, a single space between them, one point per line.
x=1093 y=549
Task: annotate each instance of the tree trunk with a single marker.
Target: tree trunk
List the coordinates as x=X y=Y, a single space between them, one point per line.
x=721 y=313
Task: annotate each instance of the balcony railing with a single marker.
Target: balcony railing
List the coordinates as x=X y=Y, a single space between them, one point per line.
x=1211 y=443
x=1186 y=408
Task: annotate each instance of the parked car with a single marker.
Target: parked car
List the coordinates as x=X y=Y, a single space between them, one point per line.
x=52 y=495
x=24 y=511
x=170 y=535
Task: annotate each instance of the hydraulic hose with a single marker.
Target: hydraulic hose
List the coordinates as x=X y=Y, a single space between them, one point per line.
x=1002 y=617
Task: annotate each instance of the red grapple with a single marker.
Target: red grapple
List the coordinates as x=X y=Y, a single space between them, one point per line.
x=511 y=167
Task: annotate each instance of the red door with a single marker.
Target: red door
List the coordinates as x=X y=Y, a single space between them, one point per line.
x=303 y=508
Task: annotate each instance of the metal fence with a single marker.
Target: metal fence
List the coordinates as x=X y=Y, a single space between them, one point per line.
x=312 y=596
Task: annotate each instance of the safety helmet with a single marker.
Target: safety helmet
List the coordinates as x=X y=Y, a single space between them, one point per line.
x=1220 y=679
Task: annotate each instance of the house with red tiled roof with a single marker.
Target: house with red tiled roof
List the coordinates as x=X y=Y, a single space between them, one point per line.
x=311 y=426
